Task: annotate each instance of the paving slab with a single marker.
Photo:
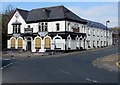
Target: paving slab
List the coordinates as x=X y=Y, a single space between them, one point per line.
x=107 y=62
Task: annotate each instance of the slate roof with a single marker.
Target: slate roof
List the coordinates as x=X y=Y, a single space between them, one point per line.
x=96 y=24
x=50 y=13
x=55 y=13
x=70 y=15
x=24 y=13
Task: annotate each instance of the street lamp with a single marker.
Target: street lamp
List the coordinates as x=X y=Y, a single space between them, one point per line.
x=108 y=21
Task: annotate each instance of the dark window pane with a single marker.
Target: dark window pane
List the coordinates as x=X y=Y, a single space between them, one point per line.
x=45 y=23
x=15 y=28
x=45 y=28
x=57 y=25
x=39 y=27
x=42 y=23
x=42 y=28
x=28 y=26
x=18 y=28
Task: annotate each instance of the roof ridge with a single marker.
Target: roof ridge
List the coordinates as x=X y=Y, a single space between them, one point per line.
x=64 y=11
x=47 y=7
x=21 y=9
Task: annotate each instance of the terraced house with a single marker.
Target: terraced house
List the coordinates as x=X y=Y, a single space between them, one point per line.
x=54 y=28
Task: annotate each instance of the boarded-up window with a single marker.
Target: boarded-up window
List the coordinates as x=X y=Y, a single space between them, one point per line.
x=38 y=43
x=12 y=43
x=47 y=42
x=20 y=43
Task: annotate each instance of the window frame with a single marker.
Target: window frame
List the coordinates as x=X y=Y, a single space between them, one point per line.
x=57 y=26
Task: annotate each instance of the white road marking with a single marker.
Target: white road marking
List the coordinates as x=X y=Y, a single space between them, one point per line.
x=88 y=79
x=63 y=71
x=95 y=81
x=6 y=66
x=91 y=80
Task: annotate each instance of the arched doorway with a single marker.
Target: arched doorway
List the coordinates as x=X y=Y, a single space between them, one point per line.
x=12 y=43
x=37 y=43
x=58 y=45
x=47 y=43
x=20 y=43
x=68 y=43
x=28 y=44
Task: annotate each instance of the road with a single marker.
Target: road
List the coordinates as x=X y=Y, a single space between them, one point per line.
x=75 y=68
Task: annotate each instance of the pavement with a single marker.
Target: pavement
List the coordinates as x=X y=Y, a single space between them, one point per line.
x=17 y=55
x=107 y=62
x=67 y=68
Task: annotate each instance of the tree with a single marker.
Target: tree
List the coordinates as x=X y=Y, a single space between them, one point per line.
x=5 y=17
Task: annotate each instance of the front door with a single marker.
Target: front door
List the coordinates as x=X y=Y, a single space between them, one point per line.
x=58 y=44
x=29 y=46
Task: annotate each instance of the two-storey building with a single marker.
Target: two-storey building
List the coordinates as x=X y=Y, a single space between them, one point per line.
x=54 y=28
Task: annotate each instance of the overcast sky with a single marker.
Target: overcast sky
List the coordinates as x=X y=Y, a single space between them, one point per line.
x=95 y=11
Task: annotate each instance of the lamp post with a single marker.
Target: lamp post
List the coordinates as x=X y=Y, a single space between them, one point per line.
x=108 y=21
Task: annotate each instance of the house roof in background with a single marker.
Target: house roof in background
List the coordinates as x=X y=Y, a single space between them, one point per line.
x=96 y=24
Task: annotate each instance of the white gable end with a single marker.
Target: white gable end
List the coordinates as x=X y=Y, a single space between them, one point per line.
x=19 y=18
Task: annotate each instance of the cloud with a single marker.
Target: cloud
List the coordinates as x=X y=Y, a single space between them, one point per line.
x=98 y=13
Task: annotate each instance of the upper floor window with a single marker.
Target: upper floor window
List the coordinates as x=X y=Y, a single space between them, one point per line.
x=16 y=28
x=68 y=26
x=58 y=26
x=101 y=33
x=78 y=29
x=82 y=28
x=107 y=33
x=89 y=31
x=43 y=27
x=93 y=32
x=104 y=33
x=28 y=26
x=39 y=28
x=97 y=32
x=46 y=26
x=85 y=29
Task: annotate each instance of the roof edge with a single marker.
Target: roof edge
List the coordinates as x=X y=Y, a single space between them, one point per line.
x=17 y=9
x=22 y=9
x=47 y=7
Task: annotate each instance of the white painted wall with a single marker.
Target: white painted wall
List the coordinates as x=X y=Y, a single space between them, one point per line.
x=72 y=43
x=13 y=19
x=96 y=34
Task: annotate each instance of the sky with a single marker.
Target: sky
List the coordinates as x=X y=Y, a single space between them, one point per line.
x=94 y=11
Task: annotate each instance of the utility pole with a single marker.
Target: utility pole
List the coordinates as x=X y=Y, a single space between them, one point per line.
x=106 y=32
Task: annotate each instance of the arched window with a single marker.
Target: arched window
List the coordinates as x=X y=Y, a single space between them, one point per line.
x=38 y=43
x=58 y=43
x=69 y=42
x=12 y=43
x=47 y=42
x=20 y=43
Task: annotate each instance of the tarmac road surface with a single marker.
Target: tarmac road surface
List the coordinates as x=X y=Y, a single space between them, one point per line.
x=76 y=68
